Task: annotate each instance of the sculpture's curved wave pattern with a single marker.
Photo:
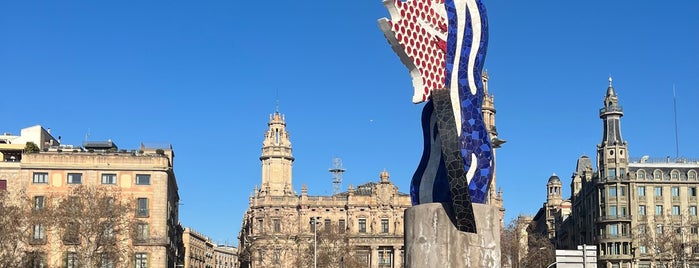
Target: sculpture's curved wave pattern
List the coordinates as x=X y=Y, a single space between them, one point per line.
x=443 y=43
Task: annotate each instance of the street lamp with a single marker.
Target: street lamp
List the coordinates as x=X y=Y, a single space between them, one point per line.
x=314 y=222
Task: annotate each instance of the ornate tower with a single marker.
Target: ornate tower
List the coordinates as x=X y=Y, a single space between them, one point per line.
x=612 y=153
x=276 y=158
x=488 y=110
x=613 y=183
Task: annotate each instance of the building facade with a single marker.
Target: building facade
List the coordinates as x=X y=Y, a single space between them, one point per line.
x=225 y=257
x=280 y=225
x=201 y=252
x=198 y=250
x=638 y=212
x=144 y=178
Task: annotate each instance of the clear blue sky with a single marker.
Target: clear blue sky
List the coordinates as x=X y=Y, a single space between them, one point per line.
x=205 y=75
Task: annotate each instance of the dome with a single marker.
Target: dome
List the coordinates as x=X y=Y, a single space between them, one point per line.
x=554 y=178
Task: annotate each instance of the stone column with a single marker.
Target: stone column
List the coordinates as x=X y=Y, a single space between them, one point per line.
x=397 y=261
x=432 y=240
x=374 y=261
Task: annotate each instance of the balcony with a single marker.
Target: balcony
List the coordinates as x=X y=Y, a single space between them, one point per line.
x=610 y=109
x=615 y=237
x=614 y=218
x=614 y=179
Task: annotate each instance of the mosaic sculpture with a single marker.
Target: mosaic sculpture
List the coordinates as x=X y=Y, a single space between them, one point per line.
x=443 y=43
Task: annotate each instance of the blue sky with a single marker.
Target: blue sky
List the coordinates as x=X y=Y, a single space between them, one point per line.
x=205 y=75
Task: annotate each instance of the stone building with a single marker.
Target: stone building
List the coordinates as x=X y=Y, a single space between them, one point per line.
x=146 y=177
x=556 y=209
x=225 y=257
x=279 y=223
x=201 y=252
x=638 y=212
x=198 y=249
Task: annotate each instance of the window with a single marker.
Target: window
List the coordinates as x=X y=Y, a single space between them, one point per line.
x=642 y=210
x=658 y=191
x=611 y=173
x=694 y=230
x=658 y=229
x=141 y=260
x=622 y=211
x=658 y=175
x=641 y=191
x=3 y=185
x=692 y=191
x=693 y=210
x=674 y=174
x=641 y=174
x=71 y=260
x=384 y=226
x=622 y=190
x=38 y=202
x=612 y=211
x=675 y=210
x=692 y=175
x=642 y=229
x=108 y=231
x=71 y=233
x=362 y=225
x=313 y=224
x=142 y=207
x=40 y=177
x=326 y=225
x=108 y=178
x=643 y=249
x=143 y=179
x=142 y=231
x=612 y=191
x=613 y=230
x=106 y=261
x=38 y=232
x=658 y=210
x=277 y=225
x=75 y=178
x=36 y=259
x=675 y=191
x=341 y=225
x=385 y=257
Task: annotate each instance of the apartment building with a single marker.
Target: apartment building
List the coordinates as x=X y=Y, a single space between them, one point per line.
x=143 y=177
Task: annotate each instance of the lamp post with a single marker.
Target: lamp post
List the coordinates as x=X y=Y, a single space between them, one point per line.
x=314 y=223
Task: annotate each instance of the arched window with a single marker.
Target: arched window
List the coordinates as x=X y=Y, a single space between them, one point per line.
x=641 y=174
x=692 y=175
x=674 y=174
x=657 y=175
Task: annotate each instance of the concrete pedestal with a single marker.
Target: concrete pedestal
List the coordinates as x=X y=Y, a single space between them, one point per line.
x=431 y=240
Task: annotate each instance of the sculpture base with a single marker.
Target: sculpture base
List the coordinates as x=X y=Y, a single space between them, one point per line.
x=431 y=240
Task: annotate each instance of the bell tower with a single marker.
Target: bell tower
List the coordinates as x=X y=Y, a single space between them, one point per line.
x=276 y=158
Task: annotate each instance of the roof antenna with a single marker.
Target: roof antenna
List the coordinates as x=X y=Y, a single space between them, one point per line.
x=677 y=140
x=277 y=108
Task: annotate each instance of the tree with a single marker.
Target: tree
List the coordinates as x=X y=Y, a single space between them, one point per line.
x=17 y=217
x=31 y=147
x=521 y=247
x=668 y=240
x=95 y=226
x=333 y=250
x=540 y=251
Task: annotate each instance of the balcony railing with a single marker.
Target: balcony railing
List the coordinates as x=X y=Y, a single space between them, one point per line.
x=610 y=109
x=614 y=218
